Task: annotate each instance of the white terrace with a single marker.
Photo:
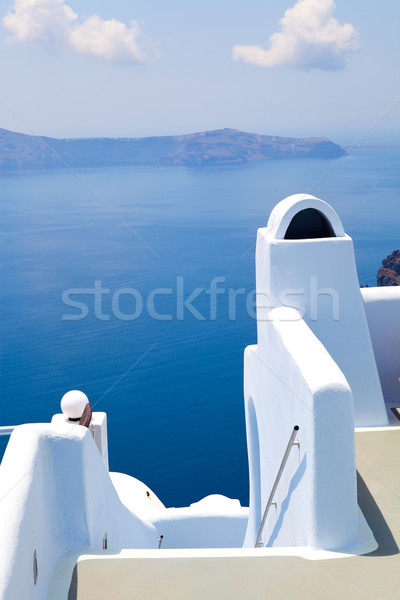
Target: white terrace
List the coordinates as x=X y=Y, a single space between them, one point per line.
x=323 y=445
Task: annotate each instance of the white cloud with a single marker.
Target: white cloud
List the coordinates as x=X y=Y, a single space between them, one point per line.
x=110 y=39
x=54 y=21
x=43 y=20
x=310 y=37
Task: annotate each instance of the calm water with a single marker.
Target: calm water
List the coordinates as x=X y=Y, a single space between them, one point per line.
x=172 y=389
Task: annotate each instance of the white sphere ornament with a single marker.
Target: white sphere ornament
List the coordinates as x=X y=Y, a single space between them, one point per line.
x=73 y=403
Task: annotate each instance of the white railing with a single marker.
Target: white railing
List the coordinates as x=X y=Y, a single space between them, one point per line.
x=7 y=429
x=271 y=501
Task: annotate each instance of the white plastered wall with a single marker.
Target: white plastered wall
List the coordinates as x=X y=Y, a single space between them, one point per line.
x=296 y=382
x=314 y=367
x=57 y=495
x=382 y=308
x=319 y=278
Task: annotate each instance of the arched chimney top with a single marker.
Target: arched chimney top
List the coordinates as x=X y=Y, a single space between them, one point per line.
x=303 y=216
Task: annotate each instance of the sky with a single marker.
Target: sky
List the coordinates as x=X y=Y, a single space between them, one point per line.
x=135 y=68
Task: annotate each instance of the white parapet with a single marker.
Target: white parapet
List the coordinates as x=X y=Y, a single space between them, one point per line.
x=57 y=495
x=98 y=429
x=296 y=382
x=382 y=307
x=314 y=367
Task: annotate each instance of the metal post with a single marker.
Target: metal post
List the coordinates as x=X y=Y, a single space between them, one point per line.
x=272 y=494
x=7 y=430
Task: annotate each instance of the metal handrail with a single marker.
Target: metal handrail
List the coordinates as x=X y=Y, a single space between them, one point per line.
x=7 y=429
x=291 y=443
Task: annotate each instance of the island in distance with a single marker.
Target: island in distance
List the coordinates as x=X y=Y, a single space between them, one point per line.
x=222 y=146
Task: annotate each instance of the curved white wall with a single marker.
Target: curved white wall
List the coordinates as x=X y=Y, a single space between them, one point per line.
x=313 y=366
x=214 y=522
x=282 y=214
x=294 y=381
x=56 y=495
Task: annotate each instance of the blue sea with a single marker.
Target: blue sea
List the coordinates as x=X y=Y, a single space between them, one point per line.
x=148 y=238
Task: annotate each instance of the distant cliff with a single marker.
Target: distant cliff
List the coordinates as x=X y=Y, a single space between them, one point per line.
x=389 y=273
x=223 y=146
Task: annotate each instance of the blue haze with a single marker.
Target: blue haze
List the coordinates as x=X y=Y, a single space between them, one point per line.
x=176 y=419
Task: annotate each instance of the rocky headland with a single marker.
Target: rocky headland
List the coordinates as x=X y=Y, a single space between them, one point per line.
x=389 y=273
x=222 y=146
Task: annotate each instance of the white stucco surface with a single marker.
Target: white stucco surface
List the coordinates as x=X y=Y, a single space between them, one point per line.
x=135 y=494
x=382 y=307
x=319 y=278
x=56 y=495
x=294 y=381
x=214 y=522
x=313 y=366
x=98 y=429
x=282 y=214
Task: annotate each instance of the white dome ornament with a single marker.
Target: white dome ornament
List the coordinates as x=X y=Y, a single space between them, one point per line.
x=73 y=403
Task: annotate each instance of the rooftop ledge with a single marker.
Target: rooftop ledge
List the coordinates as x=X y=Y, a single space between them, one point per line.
x=200 y=574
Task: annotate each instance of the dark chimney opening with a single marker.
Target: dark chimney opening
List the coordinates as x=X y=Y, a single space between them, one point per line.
x=309 y=223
